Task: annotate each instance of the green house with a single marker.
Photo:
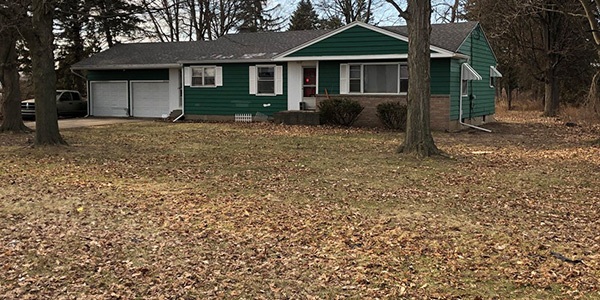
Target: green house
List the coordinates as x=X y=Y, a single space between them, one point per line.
x=259 y=74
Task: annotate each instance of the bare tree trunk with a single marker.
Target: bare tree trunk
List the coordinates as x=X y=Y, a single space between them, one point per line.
x=593 y=99
x=455 y=7
x=551 y=94
x=40 y=40
x=419 y=140
x=106 y=27
x=549 y=23
x=9 y=76
x=509 y=96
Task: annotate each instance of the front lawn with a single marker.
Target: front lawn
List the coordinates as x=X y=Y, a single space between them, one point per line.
x=159 y=210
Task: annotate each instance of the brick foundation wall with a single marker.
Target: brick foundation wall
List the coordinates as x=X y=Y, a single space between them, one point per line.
x=439 y=105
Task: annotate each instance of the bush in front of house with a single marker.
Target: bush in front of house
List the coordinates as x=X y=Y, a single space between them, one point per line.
x=339 y=111
x=392 y=115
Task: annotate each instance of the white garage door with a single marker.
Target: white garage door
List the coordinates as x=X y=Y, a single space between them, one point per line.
x=109 y=99
x=150 y=99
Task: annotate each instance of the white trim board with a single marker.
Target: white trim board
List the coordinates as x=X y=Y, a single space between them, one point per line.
x=364 y=57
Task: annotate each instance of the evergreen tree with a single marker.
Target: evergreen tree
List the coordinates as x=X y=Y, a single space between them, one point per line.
x=83 y=26
x=255 y=17
x=332 y=22
x=113 y=18
x=305 y=17
x=71 y=20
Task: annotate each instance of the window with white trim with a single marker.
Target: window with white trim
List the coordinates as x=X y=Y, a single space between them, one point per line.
x=403 y=78
x=265 y=78
x=467 y=74
x=374 y=78
x=465 y=87
x=494 y=73
x=355 y=79
x=204 y=76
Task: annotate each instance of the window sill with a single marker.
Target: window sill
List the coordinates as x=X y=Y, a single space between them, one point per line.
x=376 y=94
x=203 y=86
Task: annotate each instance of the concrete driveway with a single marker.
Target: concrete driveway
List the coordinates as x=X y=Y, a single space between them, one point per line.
x=88 y=122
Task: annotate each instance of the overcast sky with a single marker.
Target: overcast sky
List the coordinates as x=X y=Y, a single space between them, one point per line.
x=384 y=15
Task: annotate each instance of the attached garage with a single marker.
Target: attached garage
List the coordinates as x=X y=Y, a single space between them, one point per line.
x=150 y=99
x=109 y=99
x=145 y=93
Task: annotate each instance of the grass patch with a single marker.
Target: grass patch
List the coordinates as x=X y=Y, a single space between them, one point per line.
x=153 y=210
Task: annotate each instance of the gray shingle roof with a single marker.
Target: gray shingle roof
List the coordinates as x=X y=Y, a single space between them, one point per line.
x=241 y=47
x=447 y=36
x=234 y=47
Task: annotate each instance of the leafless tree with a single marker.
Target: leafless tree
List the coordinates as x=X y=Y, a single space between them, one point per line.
x=37 y=30
x=539 y=39
x=10 y=103
x=448 y=11
x=592 y=12
x=191 y=20
x=418 y=140
x=349 y=10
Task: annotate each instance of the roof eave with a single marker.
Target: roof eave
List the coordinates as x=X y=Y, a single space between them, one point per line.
x=227 y=61
x=460 y=56
x=125 y=67
x=364 y=57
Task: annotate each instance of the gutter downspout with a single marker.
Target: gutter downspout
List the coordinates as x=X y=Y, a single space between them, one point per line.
x=182 y=95
x=460 y=106
x=87 y=85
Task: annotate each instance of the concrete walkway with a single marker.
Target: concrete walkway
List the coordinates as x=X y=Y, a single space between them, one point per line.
x=88 y=122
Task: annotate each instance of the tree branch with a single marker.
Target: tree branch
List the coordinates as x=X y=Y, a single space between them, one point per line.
x=402 y=13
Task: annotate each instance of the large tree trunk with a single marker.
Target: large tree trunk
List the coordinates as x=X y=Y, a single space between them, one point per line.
x=509 y=96
x=551 y=22
x=593 y=100
x=551 y=94
x=40 y=40
x=419 y=140
x=9 y=76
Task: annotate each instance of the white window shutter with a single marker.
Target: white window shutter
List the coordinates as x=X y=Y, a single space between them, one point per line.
x=219 y=76
x=344 y=74
x=187 y=76
x=279 y=80
x=252 y=82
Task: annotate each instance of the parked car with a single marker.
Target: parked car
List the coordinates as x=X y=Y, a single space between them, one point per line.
x=68 y=103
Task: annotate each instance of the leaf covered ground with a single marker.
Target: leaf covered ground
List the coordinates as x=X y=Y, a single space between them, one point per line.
x=157 y=210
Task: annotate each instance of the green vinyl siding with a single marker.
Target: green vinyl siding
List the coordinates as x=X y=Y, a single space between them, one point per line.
x=107 y=75
x=234 y=96
x=440 y=76
x=329 y=77
x=455 y=88
x=482 y=101
x=355 y=41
